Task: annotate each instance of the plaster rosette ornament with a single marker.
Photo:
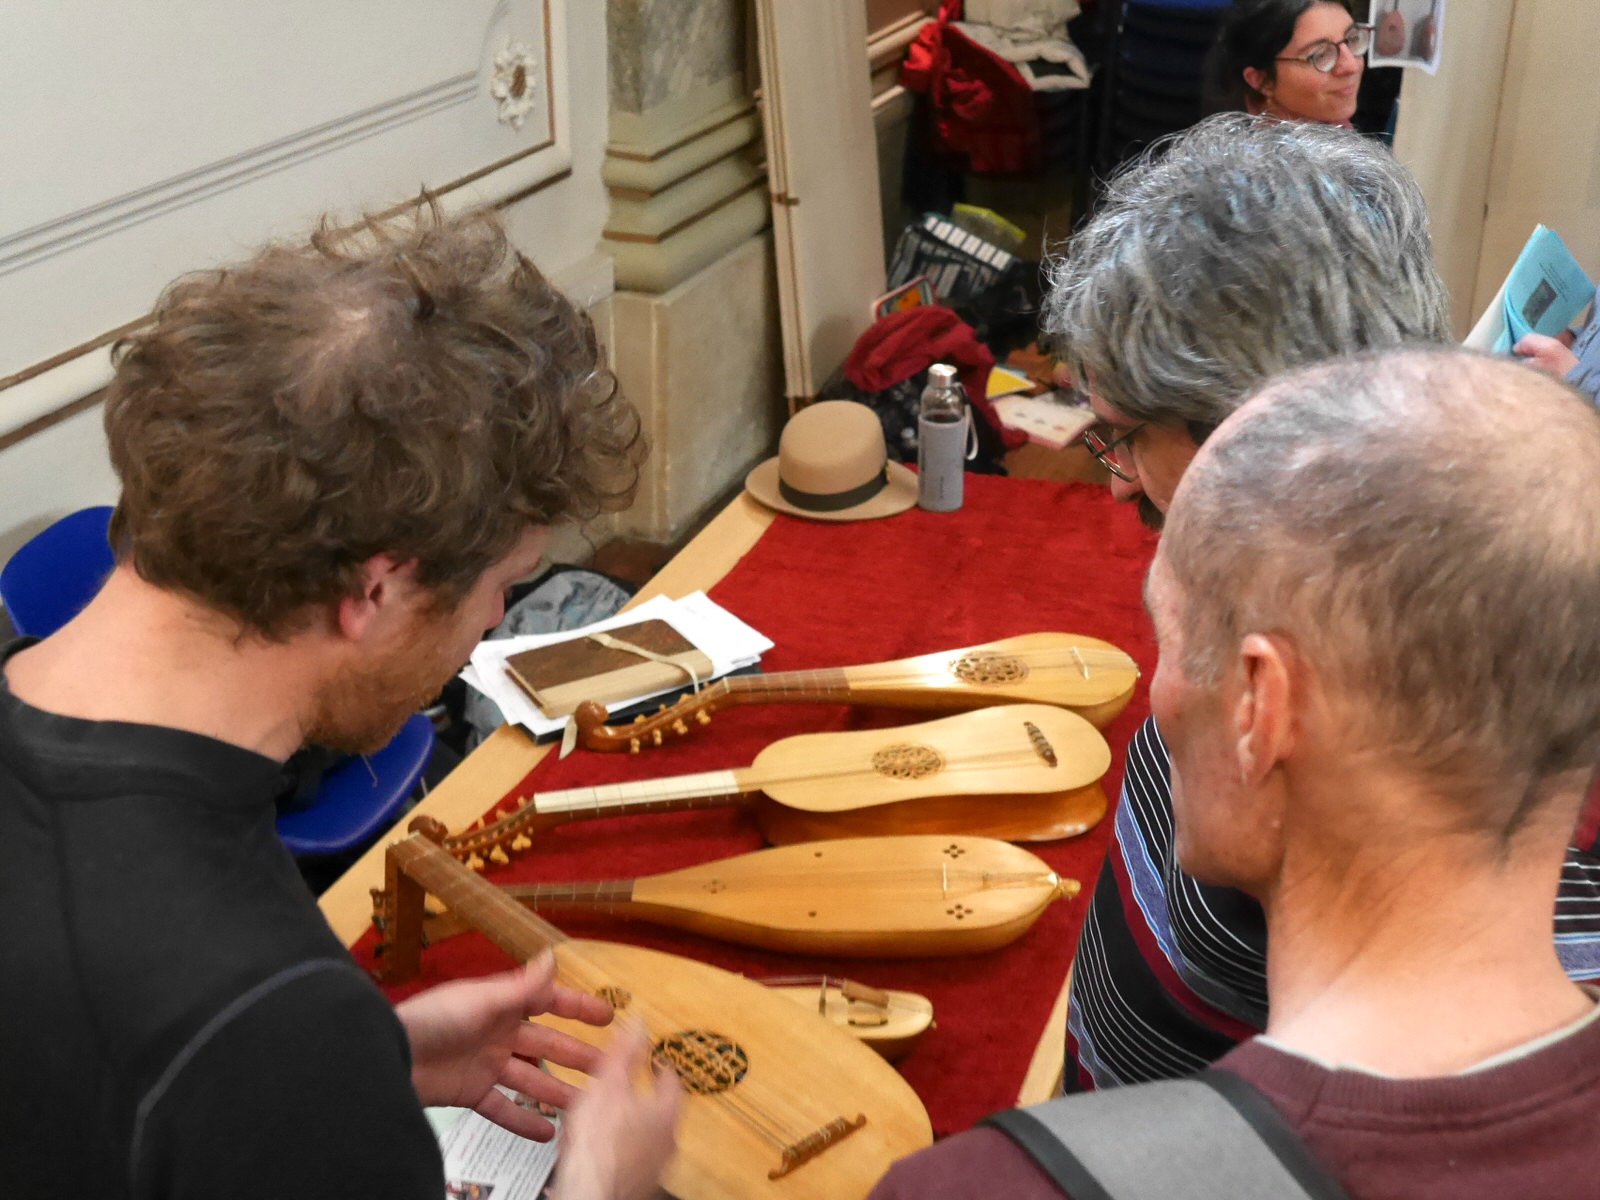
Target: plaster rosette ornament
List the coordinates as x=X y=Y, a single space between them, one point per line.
x=515 y=82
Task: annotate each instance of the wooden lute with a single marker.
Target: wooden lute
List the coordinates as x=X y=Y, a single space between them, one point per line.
x=1091 y=677
x=779 y=1103
x=1021 y=772
x=889 y=897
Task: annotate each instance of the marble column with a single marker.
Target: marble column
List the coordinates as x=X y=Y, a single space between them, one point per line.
x=694 y=322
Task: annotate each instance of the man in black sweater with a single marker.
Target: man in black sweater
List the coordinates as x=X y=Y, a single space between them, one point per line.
x=334 y=458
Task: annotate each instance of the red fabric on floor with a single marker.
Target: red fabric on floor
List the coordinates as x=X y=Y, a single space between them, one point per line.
x=1022 y=556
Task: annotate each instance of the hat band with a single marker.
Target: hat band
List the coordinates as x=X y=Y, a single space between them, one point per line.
x=834 y=501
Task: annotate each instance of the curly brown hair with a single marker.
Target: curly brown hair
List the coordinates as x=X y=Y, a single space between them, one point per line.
x=413 y=386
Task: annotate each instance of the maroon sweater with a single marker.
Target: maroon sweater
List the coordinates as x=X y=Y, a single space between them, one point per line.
x=1529 y=1128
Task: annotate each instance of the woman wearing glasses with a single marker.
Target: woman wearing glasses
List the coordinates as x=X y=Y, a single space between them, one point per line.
x=1300 y=60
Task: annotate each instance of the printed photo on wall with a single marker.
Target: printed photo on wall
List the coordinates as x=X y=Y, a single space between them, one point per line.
x=1407 y=33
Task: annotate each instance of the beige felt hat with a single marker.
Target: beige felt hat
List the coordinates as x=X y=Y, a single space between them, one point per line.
x=831 y=466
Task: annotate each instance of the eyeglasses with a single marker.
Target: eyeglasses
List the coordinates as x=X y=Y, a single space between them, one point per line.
x=1324 y=56
x=1105 y=443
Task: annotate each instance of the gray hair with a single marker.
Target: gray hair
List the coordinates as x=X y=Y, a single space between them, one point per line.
x=1444 y=575
x=1238 y=249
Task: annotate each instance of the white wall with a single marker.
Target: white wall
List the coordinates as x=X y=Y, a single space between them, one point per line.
x=95 y=150
x=1506 y=136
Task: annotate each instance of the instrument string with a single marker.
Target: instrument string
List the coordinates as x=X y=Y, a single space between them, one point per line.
x=743 y=1099
x=687 y=787
x=1045 y=660
x=880 y=880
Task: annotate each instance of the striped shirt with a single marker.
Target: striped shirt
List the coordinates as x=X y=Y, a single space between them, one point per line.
x=1171 y=973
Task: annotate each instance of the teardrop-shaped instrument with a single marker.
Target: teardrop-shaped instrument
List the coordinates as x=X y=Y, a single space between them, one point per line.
x=1023 y=772
x=888 y=897
x=1087 y=675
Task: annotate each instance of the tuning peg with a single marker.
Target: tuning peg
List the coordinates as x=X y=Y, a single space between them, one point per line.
x=679 y=727
x=499 y=855
x=639 y=720
x=521 y=842
x=474 y=863
x=702 y=716
x=633 y=745
x=655 y=737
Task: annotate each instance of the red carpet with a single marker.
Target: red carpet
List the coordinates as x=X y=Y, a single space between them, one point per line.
x=1022 y=556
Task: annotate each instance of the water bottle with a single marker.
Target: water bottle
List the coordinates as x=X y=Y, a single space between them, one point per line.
x=942 y=430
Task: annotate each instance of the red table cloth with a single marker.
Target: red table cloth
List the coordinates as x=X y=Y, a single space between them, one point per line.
x=1021 y=556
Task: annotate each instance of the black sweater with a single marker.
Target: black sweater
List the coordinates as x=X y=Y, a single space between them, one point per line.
x=176 y=1017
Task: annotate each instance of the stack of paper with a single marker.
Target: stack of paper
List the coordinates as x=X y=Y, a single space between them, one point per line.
x=726 y=640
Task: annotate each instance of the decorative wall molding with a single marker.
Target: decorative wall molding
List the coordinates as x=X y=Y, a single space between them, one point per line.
x=685 y=185
x=202 y=168
x=74 y=229
x=629 y=173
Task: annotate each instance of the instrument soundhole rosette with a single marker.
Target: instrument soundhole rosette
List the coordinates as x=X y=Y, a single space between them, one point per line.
x=986 y=668
x=706 y=1062
x=618 y=997
x=907 y=761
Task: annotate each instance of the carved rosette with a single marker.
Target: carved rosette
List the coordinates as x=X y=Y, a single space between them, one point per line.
x=515 y=82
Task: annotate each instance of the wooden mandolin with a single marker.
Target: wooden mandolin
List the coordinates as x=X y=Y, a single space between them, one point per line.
x=1022 y=772
x=1091 y=677
x=889 y=897
x=779 y=1103
x=888 y=1021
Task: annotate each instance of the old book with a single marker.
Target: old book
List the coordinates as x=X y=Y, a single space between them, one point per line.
x=561 y=676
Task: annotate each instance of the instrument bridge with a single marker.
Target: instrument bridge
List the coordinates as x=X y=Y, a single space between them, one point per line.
x=801 y=1152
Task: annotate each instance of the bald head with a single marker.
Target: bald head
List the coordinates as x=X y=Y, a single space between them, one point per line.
x=1419 y=523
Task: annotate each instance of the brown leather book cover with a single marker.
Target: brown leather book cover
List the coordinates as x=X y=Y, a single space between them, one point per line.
x=562 y=675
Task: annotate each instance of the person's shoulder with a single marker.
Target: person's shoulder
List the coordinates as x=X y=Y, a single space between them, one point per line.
x=975 y=1165
x=305 y=1077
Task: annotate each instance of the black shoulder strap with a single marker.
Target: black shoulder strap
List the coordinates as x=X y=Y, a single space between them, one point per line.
x=1210 y=1137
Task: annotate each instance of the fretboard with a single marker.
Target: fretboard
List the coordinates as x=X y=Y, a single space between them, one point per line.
x=707 y=788
x=475 y=900
x=824 y=681
x=592 y=893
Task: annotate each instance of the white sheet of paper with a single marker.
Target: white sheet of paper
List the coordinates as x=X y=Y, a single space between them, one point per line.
x=484 y=1162
x=725 y=639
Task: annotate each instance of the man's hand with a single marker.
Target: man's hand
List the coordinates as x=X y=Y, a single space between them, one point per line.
x=1549 y=354
x=468 y=1036
x=618 y=1138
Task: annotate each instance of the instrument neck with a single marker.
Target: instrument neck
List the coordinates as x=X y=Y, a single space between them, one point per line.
x=827 y=683
x=594 y=893
x=708 y=789
x=475 y=900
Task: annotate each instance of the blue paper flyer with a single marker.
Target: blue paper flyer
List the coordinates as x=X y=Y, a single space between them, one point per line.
x=1544 y=293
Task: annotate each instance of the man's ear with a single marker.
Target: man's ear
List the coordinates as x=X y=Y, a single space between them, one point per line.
x=385 y=582
x=1263 y=712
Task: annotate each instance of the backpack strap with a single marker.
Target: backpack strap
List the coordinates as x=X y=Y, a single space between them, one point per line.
x=1209 y=1137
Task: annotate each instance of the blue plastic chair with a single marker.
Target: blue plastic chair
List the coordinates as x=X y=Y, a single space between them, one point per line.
x=55 y=573
x=51 y=577
x=360 y=796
